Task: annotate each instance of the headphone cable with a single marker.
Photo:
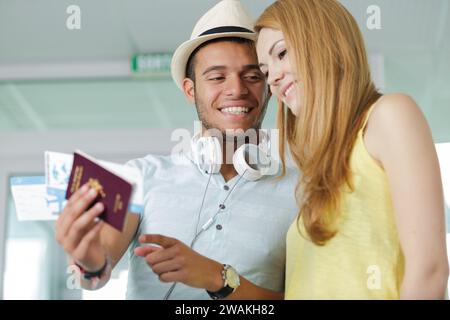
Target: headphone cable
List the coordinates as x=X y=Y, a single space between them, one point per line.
x=208 y=224
x=169 y=292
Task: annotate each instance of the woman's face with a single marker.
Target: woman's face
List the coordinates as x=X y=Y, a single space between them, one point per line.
x=274 y=63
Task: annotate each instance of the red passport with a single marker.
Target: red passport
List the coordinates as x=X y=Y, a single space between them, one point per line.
x=113 y=191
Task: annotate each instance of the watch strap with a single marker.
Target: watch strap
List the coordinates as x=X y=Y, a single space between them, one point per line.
x=226 y=290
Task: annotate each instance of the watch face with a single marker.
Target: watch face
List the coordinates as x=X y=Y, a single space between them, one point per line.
x=232 y=278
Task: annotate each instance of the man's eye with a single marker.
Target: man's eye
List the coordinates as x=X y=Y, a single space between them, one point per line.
x=254 y=77
x=216 y=78
x=282 y=54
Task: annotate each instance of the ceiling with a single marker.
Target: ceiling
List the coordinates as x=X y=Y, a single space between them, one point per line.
x=41 y=61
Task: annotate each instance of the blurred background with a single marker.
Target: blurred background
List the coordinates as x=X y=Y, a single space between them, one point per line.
x=106 y=89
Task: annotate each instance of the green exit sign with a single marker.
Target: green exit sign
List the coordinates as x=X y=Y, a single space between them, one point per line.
x=151 y=64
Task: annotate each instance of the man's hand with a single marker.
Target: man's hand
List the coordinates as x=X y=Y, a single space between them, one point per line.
x=176 y=262
x=78 y=232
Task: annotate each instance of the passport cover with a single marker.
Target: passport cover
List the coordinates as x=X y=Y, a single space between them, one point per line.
x=113 y=191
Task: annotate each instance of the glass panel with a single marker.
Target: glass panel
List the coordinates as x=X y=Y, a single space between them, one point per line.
x=21 y=281
x=29 y=259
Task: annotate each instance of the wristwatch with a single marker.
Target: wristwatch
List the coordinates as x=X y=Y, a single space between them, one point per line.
x=231 y=283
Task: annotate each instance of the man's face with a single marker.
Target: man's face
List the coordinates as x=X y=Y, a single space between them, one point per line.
x=230 y=90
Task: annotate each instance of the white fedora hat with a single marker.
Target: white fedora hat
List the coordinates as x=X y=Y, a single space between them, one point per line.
x=228 y=18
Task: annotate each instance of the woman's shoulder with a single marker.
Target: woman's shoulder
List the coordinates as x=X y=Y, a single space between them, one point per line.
x=394 y=119
x=393 y=108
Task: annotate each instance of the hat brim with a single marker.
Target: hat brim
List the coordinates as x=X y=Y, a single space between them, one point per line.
x=184 y=51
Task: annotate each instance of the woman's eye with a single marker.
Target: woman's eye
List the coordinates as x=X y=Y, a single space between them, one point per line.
x=282 y=54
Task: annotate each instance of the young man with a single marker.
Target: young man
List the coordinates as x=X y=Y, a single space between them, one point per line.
x=219 y=234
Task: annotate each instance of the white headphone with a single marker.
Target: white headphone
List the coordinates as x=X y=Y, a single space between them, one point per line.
x=207 y=154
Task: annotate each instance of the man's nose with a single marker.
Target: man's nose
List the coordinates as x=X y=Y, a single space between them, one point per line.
x=235 y=86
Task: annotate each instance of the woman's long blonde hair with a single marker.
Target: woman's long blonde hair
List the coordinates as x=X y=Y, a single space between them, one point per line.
x=327 y=50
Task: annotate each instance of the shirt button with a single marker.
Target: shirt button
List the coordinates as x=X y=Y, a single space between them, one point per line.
x=226 y=188
x=219 y=227
x=222 y=206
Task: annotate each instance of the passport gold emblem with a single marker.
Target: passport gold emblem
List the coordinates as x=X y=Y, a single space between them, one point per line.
x=118 y=203
x=95 y=184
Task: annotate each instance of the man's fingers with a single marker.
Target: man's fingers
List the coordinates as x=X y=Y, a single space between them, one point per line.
x=78 y=194
x=164 y=255
x=89 y=216
x=144 y=251
x=166 y=266
x=173 y=276
x=81 y=226
x=83 y=202
x=86 y=241
x=163 y=241
x=61 y=221
x=72 y=212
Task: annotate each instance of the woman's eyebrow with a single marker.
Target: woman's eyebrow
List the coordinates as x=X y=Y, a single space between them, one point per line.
x=273 y=46
x=271 y=50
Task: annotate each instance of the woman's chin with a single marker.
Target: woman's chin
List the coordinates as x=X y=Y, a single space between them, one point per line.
x=294 y=108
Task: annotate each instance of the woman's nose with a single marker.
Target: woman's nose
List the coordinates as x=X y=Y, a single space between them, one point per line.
x=274 y=77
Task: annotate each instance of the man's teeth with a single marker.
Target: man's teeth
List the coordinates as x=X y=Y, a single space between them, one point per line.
x=288 y=90
x=235 y=110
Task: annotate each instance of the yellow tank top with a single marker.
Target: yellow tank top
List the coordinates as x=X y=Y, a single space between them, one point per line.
x=364 y=260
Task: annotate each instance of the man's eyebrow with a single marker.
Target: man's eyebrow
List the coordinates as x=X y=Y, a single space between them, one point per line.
x=213 y=68
x=221 y=68
x=251 y=67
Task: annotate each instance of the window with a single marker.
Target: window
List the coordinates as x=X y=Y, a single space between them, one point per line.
x=32 y=260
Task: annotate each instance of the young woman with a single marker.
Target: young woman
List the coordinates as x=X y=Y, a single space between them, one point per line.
x=371 y=221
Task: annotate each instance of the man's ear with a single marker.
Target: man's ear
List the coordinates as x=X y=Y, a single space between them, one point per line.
x=189 y=90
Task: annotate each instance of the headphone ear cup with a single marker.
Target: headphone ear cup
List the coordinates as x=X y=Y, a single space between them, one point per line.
x=251 y=162
x=207 y=154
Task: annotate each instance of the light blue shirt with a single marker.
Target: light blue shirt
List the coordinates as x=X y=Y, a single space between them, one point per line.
x=249 y=233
